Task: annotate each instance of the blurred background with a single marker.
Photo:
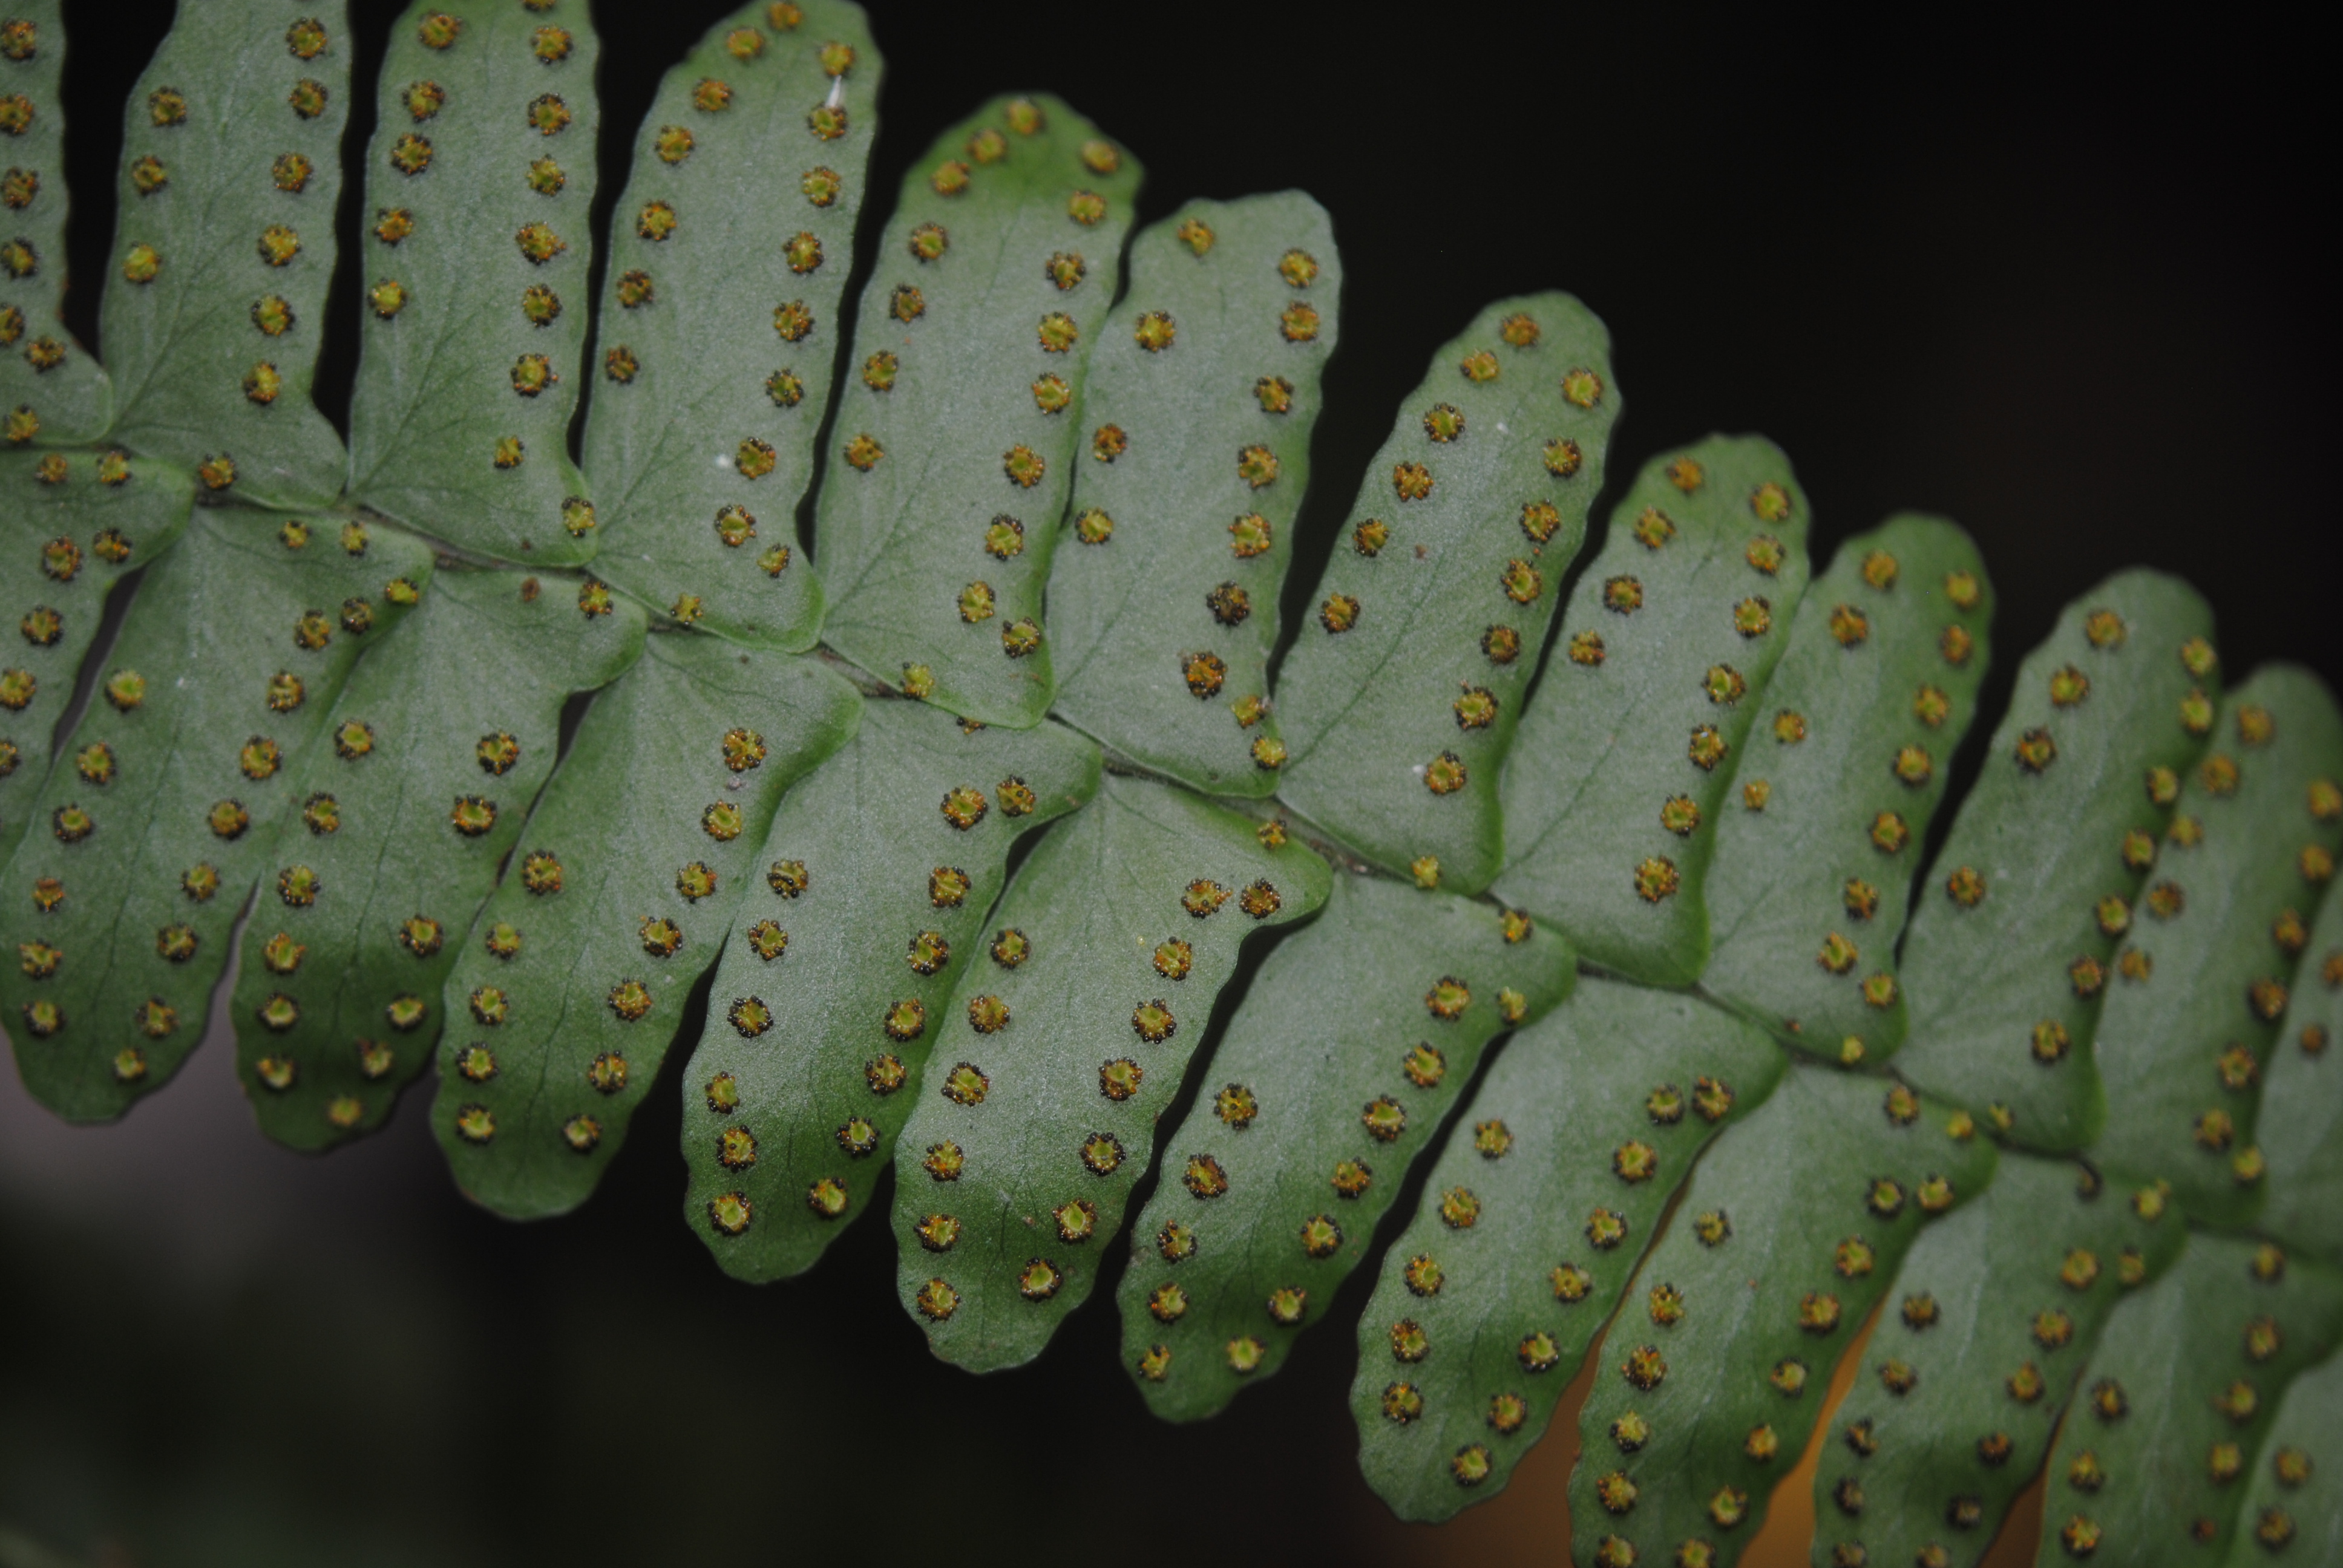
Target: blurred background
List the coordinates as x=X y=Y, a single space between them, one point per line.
x=2067 y=282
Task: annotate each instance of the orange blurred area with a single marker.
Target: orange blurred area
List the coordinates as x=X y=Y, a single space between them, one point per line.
x=1530 y=1521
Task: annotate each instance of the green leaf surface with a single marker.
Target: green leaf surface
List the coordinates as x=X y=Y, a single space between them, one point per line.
x=474 y=265
x=2301 y=1124
x=2178 y=1400
x=1996 y=1311
x=1163 y=602
x=700 y=440
x=1611 y=796
x=2221 y=925
x=1037 y=1113
x=956 y=440
x=2293 y=1507
x=2016 y=936
x=67 y=536
x=1336 y=1075
x=52 y=389
x=1853 y=746
x=464 y=704
x=803 y=1083
x=1619 y=1078
x=223 y=245
x=165 y=802
x=1401 y=699
x=1713 y=1373
x=574 y=979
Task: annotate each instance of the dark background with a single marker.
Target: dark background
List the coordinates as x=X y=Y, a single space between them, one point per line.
x=2068 y=284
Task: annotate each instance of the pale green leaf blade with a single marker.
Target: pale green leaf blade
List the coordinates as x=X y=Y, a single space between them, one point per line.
x=1037 y=1114
x=1163 y=618
x=2221 y=925
x=700 y=440
x=72 y=524
x=560 y=1007
x=2179 y=1398
x=2014 y=938
x=222 y=246
x=955 y=444
x=474 y=266
x=882 y=868
x=1618 y=1080
x=1668 y=641
x=2301 y=1124
x=2293 y=1507
x=464 y=703
x=1995 y=1312
x=164 y=803
x=1336 y=1075
x=1713 y=1373
x=53 y=389
x=1850 y=752
x=1401 y=699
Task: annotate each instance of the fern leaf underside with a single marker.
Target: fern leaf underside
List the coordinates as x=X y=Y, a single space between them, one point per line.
x=979 y=833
